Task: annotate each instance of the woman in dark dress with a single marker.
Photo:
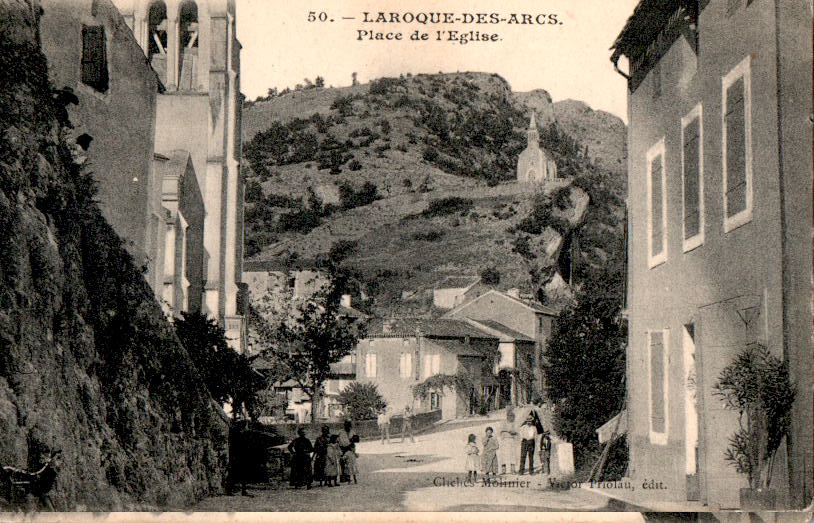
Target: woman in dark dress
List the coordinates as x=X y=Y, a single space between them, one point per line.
x=301 y=450
x=320 y=454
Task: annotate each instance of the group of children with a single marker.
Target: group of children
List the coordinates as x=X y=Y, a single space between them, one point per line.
x=336 y=461
x=488 y=460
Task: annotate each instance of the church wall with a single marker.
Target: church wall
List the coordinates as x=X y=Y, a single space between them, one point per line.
x=121 y=119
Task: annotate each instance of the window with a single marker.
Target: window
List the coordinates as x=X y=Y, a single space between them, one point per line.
x=406 y=365
x=657 y=371
x=370 y=365
x=656 y=206
x=432 y=365
x=692 y=178
x=94 y=58
x=157 y=30
x=737 y=146
x=435 y=401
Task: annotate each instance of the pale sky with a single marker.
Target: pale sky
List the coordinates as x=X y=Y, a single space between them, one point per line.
x=569 y=59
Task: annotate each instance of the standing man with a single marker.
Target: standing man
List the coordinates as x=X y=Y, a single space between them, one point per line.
x=407 y=424
x=528 y=433
x=384 y=424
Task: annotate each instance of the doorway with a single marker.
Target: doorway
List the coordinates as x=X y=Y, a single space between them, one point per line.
x=691 y=421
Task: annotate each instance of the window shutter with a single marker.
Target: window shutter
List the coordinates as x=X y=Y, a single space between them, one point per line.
x=657 y=381
x=735 y=149
x=692 y=210
x=657 y=223
x=94 y=58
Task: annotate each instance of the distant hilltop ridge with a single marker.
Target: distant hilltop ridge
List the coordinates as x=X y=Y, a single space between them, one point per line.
x=414 y=178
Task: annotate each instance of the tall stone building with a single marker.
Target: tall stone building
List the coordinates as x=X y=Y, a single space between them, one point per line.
x=193 y=48
x=535 y=165
x=161 y=137
x=719 y=243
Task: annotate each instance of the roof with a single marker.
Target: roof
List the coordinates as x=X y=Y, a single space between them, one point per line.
x=430 y=328
x=350 y=312
x=505 y=332
x=343 y=369
x=647 y=21
x=275 y=265
x=617 y=425
x=536 y=307
x=457 y=347
x=457 y=282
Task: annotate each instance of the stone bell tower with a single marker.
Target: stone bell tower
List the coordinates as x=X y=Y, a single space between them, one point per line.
x=535 y=165
x=193 y=49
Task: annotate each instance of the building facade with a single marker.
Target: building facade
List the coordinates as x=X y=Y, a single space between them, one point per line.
x=193 y=48
x=91 y=51
x=511 y=314
x=535 y=165
x=398 y=354
x=719 y=244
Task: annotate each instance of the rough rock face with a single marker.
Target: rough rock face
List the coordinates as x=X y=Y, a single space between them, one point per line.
x=88 y=364
x=603 y=133
x=538 y=101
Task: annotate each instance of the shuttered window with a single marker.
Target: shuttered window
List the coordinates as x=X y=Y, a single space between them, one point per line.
x=691 y=176
x=658 y=385
x=656 y=207
x=406 y=365
x=370 y=365
x=735 y=150
x=737 y=146
x=94 y=58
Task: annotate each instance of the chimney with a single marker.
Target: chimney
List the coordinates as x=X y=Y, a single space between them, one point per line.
x=514 y=293
x=345 y=300
x=387 y=326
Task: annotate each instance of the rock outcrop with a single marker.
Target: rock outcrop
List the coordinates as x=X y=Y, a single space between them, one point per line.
x=88 y=363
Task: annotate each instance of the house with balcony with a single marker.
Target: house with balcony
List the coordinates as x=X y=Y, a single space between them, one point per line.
x=719 y=233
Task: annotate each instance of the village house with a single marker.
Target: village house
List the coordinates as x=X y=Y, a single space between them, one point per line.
x=400 y=353
x=535 y=165
x=518 y=320
x=162 y=142
x=719 y=245
x=450 y=291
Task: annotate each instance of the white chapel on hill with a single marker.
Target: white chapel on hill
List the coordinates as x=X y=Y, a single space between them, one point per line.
x=535 y=165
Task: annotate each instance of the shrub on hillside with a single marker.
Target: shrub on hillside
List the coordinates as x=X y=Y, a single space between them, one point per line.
x=447 y=206
x=350 y=198
x=355 y=165
x=490 y=276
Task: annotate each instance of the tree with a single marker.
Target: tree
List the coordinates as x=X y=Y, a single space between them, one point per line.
x=585 y=363
x=311 y=338
x=490 y=276
x=361 y=401
x=228 y=376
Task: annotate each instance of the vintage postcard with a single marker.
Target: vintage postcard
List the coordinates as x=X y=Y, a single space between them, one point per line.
x=382 y=257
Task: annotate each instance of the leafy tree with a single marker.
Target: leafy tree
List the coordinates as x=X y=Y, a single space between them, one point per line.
x=362 y=400
x=319 y=82
x=585 y=363
x=311 y=338
x=228 y=376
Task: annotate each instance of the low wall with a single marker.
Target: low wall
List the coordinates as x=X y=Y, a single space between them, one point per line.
x=366 y=429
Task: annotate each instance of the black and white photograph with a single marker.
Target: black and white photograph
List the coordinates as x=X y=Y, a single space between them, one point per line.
x=369 y=256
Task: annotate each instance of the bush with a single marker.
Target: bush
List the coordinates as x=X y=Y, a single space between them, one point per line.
x=343 y=104
x=350 y=198
x=430 y=154
x=355 y=165
x=490 y=276
x=447 y=206
x=362 y=401
x=428 y=236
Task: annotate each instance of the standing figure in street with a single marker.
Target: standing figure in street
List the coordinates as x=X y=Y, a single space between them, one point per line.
x=528 y=434
x=472 y=452
x=545 y=453
x=509 y=448
x=301 y=450
x=332 y=458
x=349 y=461
x=407 y=424
x=347 y=438
x=488 y=460
x=384 y=424
x=320 y=454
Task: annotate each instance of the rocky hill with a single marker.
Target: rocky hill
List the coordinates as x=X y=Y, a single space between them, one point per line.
x=88 y=363
x=413 y=177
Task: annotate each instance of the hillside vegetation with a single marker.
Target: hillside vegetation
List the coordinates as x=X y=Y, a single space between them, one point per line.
x=415 y=176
